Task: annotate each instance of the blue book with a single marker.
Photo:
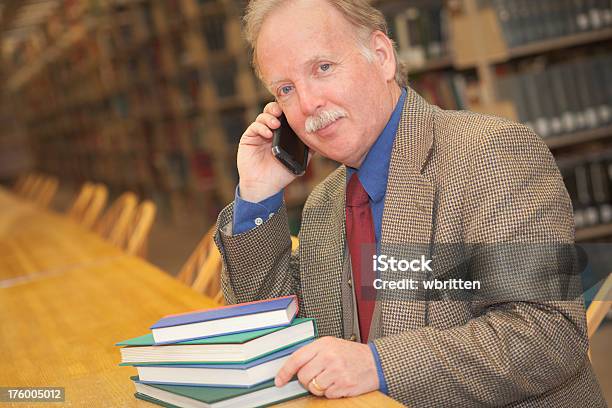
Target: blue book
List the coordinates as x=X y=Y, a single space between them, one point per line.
x=219 y=375
x=226 y=320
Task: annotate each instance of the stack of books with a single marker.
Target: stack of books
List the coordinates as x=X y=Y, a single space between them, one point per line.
x=220 y=357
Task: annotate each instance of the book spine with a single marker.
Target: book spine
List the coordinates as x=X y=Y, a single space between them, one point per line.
x=416 y=55
x=503 y=17
x=581 y=13
x=560 y=96
x=534 y=107
x=601 y=192
x=588 y=214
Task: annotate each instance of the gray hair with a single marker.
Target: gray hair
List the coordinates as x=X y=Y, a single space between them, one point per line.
x=365 y=18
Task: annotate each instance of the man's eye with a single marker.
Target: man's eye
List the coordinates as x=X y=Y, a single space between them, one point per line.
x=324 y=67
x=284 y=90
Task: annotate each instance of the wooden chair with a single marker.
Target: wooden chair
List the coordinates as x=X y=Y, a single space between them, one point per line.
x=46 y=192
x=95 y=206
x=295 y=243
x=139 y=229
x=24 y=184
x=20 y=183
x=80 y=203
x=114 y=223
x=202 y=271
x=31 y=185
x=599 y=307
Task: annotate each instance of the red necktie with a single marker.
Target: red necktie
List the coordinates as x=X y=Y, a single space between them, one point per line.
x=362 y=246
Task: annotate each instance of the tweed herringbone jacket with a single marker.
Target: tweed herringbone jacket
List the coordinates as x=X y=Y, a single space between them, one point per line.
x=454 y=177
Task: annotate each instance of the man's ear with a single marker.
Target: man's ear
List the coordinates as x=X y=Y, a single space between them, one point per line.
x=383 y=53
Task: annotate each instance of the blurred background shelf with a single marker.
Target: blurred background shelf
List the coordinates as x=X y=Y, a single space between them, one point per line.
x=592 y=233
x=553 y=44
x=154 y=96
x=555 y=142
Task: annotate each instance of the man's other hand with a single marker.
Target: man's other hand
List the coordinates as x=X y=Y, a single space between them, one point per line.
x=340 y=368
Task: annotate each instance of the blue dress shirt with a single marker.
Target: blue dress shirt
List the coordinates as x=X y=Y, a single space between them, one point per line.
x=373 y=174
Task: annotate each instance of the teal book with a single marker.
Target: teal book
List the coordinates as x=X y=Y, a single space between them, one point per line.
x=217 y=397
x=238 y=348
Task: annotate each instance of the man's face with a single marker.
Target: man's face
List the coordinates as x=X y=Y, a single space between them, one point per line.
x=309 y=58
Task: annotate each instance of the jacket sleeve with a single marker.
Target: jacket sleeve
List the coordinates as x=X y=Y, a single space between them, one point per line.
x=257 y=264
x=510 y=350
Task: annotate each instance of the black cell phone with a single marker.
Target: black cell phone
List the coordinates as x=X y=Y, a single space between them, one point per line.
x=289 y=149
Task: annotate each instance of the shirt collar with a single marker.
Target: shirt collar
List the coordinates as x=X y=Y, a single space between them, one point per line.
x=374 y=170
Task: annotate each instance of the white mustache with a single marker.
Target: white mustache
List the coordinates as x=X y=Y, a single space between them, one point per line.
x=323 y=119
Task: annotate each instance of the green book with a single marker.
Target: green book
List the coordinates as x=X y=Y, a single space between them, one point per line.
x=236 y=348
x=217 y=397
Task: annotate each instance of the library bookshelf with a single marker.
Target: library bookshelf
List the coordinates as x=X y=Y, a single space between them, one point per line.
x=154 y=96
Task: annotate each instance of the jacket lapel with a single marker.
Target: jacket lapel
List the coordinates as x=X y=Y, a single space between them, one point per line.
x=407 y=215
x=323 y=277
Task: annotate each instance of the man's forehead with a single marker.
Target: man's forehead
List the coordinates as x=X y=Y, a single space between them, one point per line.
x=296 y=36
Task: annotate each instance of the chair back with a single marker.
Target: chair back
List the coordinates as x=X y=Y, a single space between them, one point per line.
x=46 y=192
x=140 y=228
x=81 y=202
x=20 y=183
x=202 y=271
x=28 y=185
x=36 y=187
x=114 y=223
x=599 y=307
x=295 y=243
x=95 y=205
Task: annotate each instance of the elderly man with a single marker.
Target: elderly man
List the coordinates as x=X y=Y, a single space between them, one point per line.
x=412 y=176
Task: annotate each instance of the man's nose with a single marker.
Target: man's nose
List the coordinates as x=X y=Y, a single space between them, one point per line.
x=310 y=99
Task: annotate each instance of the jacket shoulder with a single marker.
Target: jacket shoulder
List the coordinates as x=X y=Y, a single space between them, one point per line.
x=475 y=129
x=330 y=188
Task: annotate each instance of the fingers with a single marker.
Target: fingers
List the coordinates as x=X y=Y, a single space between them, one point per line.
x=310 y=371
x=315 y=388
x=273 y=108
x=317 y=377
x=256 y=130
x=263 y=126
x=295 y=362
x=269 y=120
x=333 y=368
x=334 y=391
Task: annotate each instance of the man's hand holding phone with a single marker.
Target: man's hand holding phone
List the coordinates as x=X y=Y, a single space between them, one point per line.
x=261 y=174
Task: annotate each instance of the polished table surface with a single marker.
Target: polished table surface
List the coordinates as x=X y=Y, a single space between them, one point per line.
x=68 y=297
x=36 y=242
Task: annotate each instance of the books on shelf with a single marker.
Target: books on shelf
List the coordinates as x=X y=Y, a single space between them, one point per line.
x=561 y=98
x=526 y=21
x=217 y=397
x=420 y=31
x=238 y=348
x=589 y=184
x=444 y=89
x=225 y=320
x=220 y=375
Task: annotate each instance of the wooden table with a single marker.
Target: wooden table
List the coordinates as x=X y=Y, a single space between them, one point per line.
x=58 y=326
x=36 y=242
